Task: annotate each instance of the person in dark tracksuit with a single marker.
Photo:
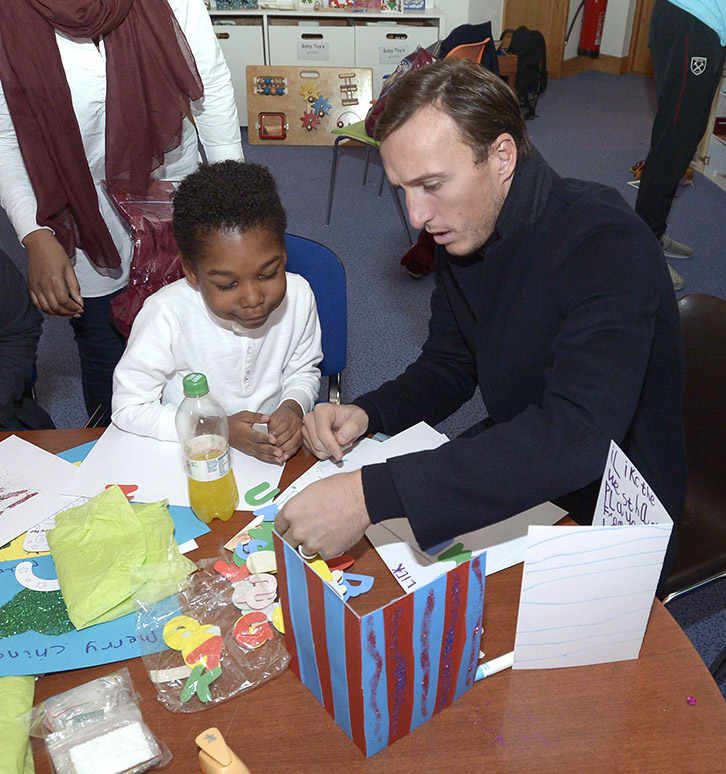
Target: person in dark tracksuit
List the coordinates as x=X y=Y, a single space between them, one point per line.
x=687 y=46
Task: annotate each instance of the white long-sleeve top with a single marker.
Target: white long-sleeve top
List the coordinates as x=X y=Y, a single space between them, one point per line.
x=247 y=370
x=215 y=115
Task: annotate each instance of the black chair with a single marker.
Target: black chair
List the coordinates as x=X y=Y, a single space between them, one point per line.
x=701 y=556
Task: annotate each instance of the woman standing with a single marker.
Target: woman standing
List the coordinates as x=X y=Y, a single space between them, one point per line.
x=98 y=90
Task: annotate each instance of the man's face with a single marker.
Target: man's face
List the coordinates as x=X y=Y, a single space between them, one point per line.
x=455 y=199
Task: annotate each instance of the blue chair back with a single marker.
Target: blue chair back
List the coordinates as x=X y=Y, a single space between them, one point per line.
x=322 y=268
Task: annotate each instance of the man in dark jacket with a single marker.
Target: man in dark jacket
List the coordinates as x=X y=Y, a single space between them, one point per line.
x=20 y=327
x=539 y=302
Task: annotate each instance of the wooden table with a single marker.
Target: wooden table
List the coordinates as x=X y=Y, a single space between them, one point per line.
x=630 y=716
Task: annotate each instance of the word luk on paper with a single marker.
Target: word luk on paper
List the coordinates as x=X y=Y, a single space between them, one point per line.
x=627 y=497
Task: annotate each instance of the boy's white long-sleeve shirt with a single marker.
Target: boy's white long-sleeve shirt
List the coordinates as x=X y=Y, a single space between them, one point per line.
x=215 y=118
x=248 y=370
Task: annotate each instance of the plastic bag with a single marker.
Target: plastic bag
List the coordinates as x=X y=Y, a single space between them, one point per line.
x=211 y=651
x=156 y=260
x=107 y=548
x=97 y=728
x=417 y=58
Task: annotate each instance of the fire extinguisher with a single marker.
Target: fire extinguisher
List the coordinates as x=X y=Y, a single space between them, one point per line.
x=593 y=19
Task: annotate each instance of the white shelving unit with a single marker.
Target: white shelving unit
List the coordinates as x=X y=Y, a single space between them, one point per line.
x=326 y=37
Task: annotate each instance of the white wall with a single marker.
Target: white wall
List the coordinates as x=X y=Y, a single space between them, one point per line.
x=616 y=32
x=470 y=12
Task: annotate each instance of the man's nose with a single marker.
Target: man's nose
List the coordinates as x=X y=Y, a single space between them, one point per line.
x=419 y=213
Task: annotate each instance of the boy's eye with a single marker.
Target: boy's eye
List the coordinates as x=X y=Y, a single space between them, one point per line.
x=230 y=286
x=269 y=276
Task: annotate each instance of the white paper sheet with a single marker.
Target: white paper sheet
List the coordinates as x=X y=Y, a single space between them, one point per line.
x=587 y=591
x=30 y=481
x=367 y=452
x=36 y=539
x=156 y=468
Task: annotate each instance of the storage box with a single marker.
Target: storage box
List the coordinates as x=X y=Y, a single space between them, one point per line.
x=241 y=42
x=385 y=673
x=383 y=45
x=324 y=43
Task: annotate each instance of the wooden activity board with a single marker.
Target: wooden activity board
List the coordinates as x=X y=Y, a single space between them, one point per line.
x=301 y=104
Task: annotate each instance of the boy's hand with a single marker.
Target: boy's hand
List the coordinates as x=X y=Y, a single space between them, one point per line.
x=285 y=424
x=244 y=437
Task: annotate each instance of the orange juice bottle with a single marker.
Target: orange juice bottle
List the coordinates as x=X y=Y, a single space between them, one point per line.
x=202 y=429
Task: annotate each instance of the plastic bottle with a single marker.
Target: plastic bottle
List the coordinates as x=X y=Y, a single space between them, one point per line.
x=201 y=425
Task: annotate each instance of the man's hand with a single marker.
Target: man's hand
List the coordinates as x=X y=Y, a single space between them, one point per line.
x=329 y=430
x=285 y=424
x=327 y=517
x=54 y=288
x=244 y=437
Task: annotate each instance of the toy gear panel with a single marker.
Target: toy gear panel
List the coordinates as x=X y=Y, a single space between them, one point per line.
x=296 y=105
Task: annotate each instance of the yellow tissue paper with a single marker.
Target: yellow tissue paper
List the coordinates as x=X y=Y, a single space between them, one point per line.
x=16 y=699
x=107 y=550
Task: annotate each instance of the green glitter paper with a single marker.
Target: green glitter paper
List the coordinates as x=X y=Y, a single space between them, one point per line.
x=39 y=611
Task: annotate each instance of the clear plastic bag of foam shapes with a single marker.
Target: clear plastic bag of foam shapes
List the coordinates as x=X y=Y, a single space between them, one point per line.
x=198 y=647
x=97 y=728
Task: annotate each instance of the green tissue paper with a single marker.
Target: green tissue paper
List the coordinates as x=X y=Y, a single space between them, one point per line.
x=107 y=550
x=16 y=699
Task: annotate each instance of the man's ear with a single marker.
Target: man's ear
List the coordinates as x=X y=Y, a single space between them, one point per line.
x=505 y=149
x=190 y=273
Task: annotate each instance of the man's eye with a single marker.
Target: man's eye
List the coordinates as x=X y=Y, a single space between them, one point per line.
x=430 y=186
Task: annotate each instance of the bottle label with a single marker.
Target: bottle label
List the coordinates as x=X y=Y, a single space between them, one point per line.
x=207 y=458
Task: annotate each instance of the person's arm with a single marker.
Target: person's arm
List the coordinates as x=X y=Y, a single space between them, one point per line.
x=141 y=375
x=53 y=285
x=607 y=292
x=20 y=328
x=215 y=114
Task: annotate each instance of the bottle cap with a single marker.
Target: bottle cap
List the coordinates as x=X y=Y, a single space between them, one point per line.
x=195 y=385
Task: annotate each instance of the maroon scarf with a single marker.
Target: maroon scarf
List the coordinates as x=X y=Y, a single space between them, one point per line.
x=151 y=79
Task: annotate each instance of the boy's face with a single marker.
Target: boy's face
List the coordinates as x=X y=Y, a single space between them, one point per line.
x=241 y=276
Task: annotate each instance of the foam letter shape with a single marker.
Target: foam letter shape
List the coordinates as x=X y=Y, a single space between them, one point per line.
x=268 y=512
x=128 y=489
x=456 y=554
x=356 y=584
x=185 y=633
x=252 y=630
x=199 y=682
x=231 y=572
x=208 y=653
x=254 y=496
x=25 y=576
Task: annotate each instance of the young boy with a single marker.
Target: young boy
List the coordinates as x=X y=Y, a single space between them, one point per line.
x=236 y=317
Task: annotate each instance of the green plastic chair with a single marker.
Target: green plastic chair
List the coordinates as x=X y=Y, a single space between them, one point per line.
x=357 y=133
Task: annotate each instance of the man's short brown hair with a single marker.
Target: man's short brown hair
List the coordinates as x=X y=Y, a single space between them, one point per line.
x=480 y=103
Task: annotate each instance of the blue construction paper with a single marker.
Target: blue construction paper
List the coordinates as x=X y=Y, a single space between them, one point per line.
x=77 y=453
x=33 y=653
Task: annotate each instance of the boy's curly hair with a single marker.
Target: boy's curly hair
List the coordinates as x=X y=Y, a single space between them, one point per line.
x=226 y=196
